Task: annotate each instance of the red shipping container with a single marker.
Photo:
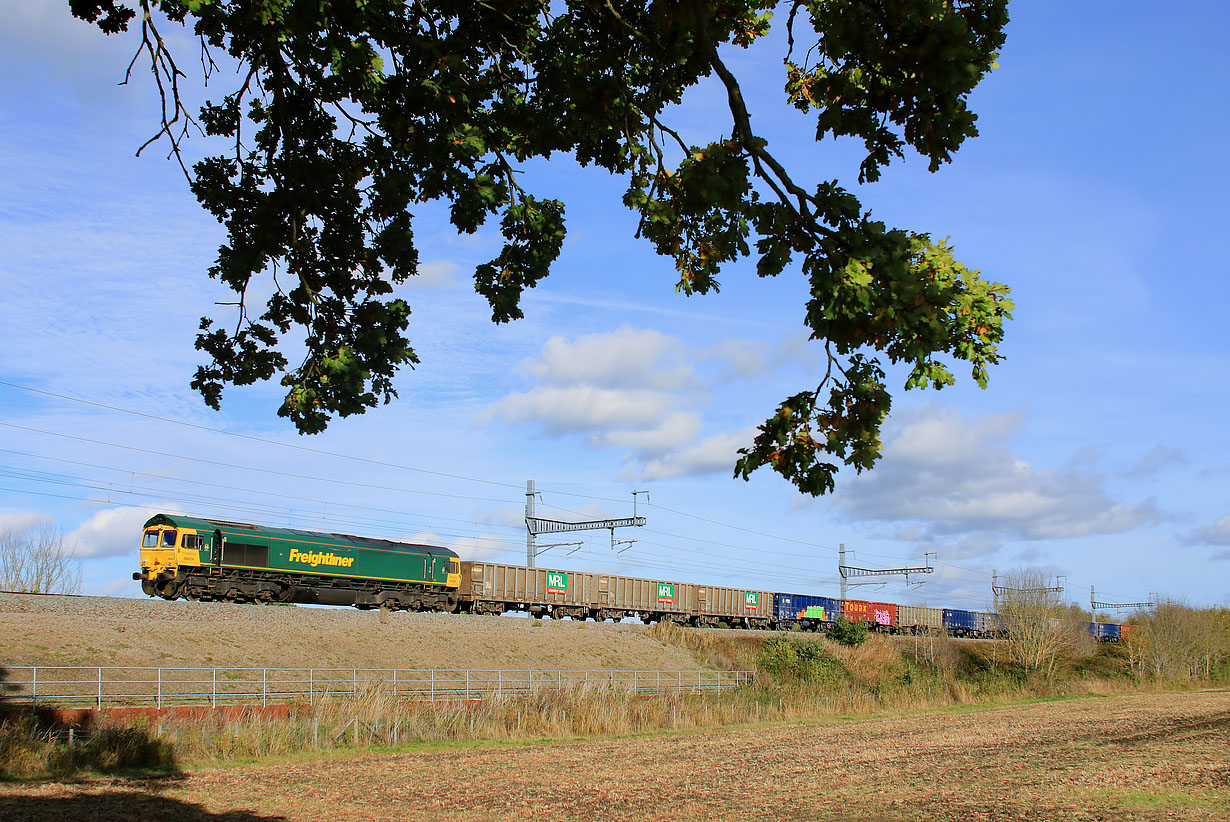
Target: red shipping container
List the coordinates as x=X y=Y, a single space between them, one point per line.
x=876 y=613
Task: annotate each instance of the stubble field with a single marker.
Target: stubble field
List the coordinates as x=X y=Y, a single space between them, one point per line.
x=1133 y=757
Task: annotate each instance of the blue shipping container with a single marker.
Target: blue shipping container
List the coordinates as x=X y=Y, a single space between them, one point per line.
x=1105 y=631
x=959 y=622
x=798 y=607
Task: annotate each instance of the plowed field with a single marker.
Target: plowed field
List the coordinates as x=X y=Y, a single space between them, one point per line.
x=1138 y=757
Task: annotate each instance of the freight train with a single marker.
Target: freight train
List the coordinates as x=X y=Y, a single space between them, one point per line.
x=204 y=559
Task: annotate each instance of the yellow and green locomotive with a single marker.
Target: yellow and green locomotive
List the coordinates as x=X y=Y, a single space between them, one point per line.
x=204 y=559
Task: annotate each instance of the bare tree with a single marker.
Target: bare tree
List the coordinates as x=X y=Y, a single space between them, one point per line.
x=1035 y=622
x=36 y=559
x=1176 y=641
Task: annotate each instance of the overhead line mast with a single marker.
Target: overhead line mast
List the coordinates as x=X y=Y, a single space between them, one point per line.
x=535 y=525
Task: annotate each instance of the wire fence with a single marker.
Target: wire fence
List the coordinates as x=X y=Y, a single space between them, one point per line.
x=99 y=687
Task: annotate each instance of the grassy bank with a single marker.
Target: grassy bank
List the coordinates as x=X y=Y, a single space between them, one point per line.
x=797 y=678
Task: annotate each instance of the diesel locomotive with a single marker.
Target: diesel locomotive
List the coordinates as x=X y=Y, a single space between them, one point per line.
x=205 y=559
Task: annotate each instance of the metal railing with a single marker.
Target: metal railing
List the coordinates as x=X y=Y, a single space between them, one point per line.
x=99 y=687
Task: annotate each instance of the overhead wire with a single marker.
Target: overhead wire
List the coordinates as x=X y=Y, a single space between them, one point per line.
x=234 y=505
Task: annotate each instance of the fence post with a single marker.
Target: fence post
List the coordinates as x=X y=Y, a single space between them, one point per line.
x=100 y=689
x=394 y=684
x=311 y=686
x=659 y=682
x=499 y=683
x=160 y=689
x=34 y=689
x=264 y=687
x=433 y=684
x=354 y=681
x=213 y=692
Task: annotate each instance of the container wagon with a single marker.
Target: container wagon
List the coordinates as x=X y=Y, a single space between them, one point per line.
x=880 y=616
x=959 y=622
x=493 y=588
x=805 y=611
x=919 y=619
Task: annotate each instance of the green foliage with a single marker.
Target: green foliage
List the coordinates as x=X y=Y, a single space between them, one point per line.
x=347 y=115
x=802 y=660
x=31 y=749
x=848 y=633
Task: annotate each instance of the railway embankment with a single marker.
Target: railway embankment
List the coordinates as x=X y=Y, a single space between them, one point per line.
x=112 y=631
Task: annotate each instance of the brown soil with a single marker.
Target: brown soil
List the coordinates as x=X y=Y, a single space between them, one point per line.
x=1138 y=757
x=56 y=630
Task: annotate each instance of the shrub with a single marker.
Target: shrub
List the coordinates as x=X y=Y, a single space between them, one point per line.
x=804 y=660
x=848 y=633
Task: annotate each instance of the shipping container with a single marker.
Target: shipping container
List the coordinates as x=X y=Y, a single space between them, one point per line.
x=1104 y=631
x=713 y=603
x=620 y=596
x=919 y=619
x=882 y=615
x=490 y=587
x=987 y=624
x=805 y=608
x=960 y=623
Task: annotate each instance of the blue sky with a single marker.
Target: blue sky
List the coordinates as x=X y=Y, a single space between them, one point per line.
x=1099 y=450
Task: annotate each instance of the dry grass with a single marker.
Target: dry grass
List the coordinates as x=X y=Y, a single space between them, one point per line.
x=1140 y=758
x=798 y=679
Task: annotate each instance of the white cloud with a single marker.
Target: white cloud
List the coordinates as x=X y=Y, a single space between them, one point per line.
x=483 y=546
x=1216 y=534
x=111 y=532
x=675 y=428
x=508 y=515
x=747 y=359
x=583 y=408
x=959 y=480
x=1153 y=462
x=436 y=274
x=22 y=521
x=641 y=359
x=477 y=547
x=637 y=391
x=711 y=455
x=741 y=358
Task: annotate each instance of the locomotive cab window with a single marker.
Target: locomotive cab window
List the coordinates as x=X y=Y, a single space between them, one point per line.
x=168 y=538
x=151 y=539
x=454 y=566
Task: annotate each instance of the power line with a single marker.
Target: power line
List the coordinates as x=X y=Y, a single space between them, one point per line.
x=245 y=467
x=323 y=452
x=237 y=488
x=319 y=451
